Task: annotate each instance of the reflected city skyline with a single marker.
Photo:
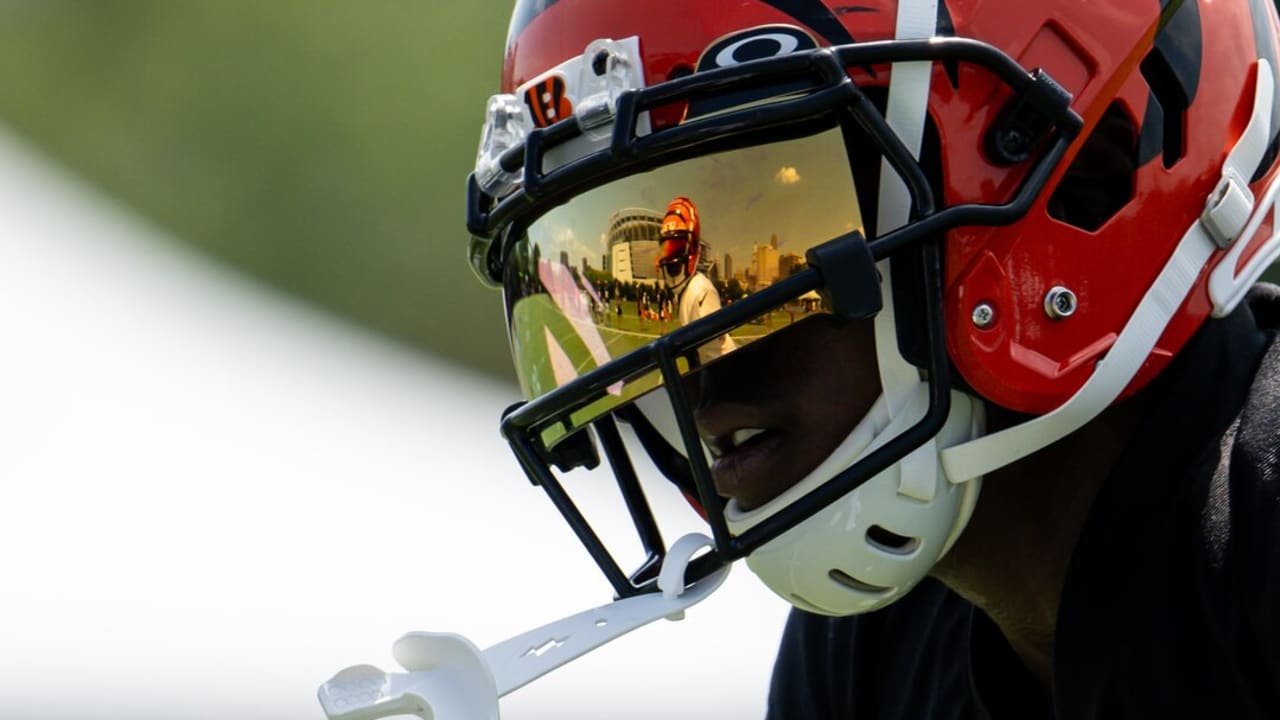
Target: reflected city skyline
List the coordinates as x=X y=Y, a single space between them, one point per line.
x=633 y=238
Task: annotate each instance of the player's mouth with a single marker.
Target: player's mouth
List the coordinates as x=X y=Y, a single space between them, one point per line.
x=772 y=411
x=741 y=466
x=750 y=458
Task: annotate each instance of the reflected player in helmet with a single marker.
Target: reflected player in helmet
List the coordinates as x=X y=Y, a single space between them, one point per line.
x=681 y=253
x=680 y=243
x=1037 y=231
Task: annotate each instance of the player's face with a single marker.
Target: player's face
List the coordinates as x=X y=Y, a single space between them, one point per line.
x=773 y=410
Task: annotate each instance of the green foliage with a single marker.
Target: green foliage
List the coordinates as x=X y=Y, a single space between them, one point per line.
x=321 y=146
x=734 y=291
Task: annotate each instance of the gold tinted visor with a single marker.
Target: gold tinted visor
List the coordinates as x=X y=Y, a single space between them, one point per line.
x=584 y=286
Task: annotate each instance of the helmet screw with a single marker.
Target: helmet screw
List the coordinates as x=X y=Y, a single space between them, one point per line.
x=1059 y=303
x=1015 y=143
x=984 y=316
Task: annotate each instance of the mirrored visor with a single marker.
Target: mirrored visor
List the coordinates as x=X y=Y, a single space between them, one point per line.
x=593 y=280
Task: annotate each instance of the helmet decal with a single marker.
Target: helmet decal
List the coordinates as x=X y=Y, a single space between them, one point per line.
x=1263 y=39
x=753 y=44
x=547 y=101
x=1172 y=71
x=817 y=15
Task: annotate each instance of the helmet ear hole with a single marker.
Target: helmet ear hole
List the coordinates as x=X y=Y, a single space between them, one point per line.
x=1100 y=181
x=884 y=539
x=854 y=583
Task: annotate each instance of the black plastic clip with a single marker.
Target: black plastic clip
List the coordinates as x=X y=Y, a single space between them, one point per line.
x=850 y=281
x=578 y=449
x=1026 y=119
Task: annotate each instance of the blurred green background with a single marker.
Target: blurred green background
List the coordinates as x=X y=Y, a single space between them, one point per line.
x=321 y=146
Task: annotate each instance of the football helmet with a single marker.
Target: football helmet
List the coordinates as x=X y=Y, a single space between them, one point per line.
x=679 y=243
x=1034 y=204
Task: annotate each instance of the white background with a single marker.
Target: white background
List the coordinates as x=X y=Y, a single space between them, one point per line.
x=213 y=498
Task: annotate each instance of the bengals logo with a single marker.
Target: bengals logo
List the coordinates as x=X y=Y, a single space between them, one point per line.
x=547 y=101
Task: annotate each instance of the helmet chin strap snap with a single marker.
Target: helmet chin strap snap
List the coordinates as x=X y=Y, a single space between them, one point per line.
x=449 y=678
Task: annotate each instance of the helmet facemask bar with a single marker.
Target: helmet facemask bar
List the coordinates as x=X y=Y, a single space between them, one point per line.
x=839 y=268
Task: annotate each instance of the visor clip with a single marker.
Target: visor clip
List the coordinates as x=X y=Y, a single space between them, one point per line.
x=578 y=449
x=606 y=72
x=1026 y=119
x=850 y=282
x=507 y=125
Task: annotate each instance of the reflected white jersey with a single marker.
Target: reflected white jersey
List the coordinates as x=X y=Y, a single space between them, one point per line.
x=699 y=298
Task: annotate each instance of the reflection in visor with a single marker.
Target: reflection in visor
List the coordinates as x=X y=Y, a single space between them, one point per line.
x=594 y=279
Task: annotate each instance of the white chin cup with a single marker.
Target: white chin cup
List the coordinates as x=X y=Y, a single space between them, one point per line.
x=674 y=283
x=871 y=546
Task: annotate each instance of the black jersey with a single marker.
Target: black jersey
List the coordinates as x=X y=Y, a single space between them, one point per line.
x=1171 y=604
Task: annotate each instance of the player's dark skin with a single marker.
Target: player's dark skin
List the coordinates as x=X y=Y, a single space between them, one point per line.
x=809 y=384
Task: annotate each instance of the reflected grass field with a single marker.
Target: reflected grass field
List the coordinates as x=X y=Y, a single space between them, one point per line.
x=630 y=321
x=553 y=349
